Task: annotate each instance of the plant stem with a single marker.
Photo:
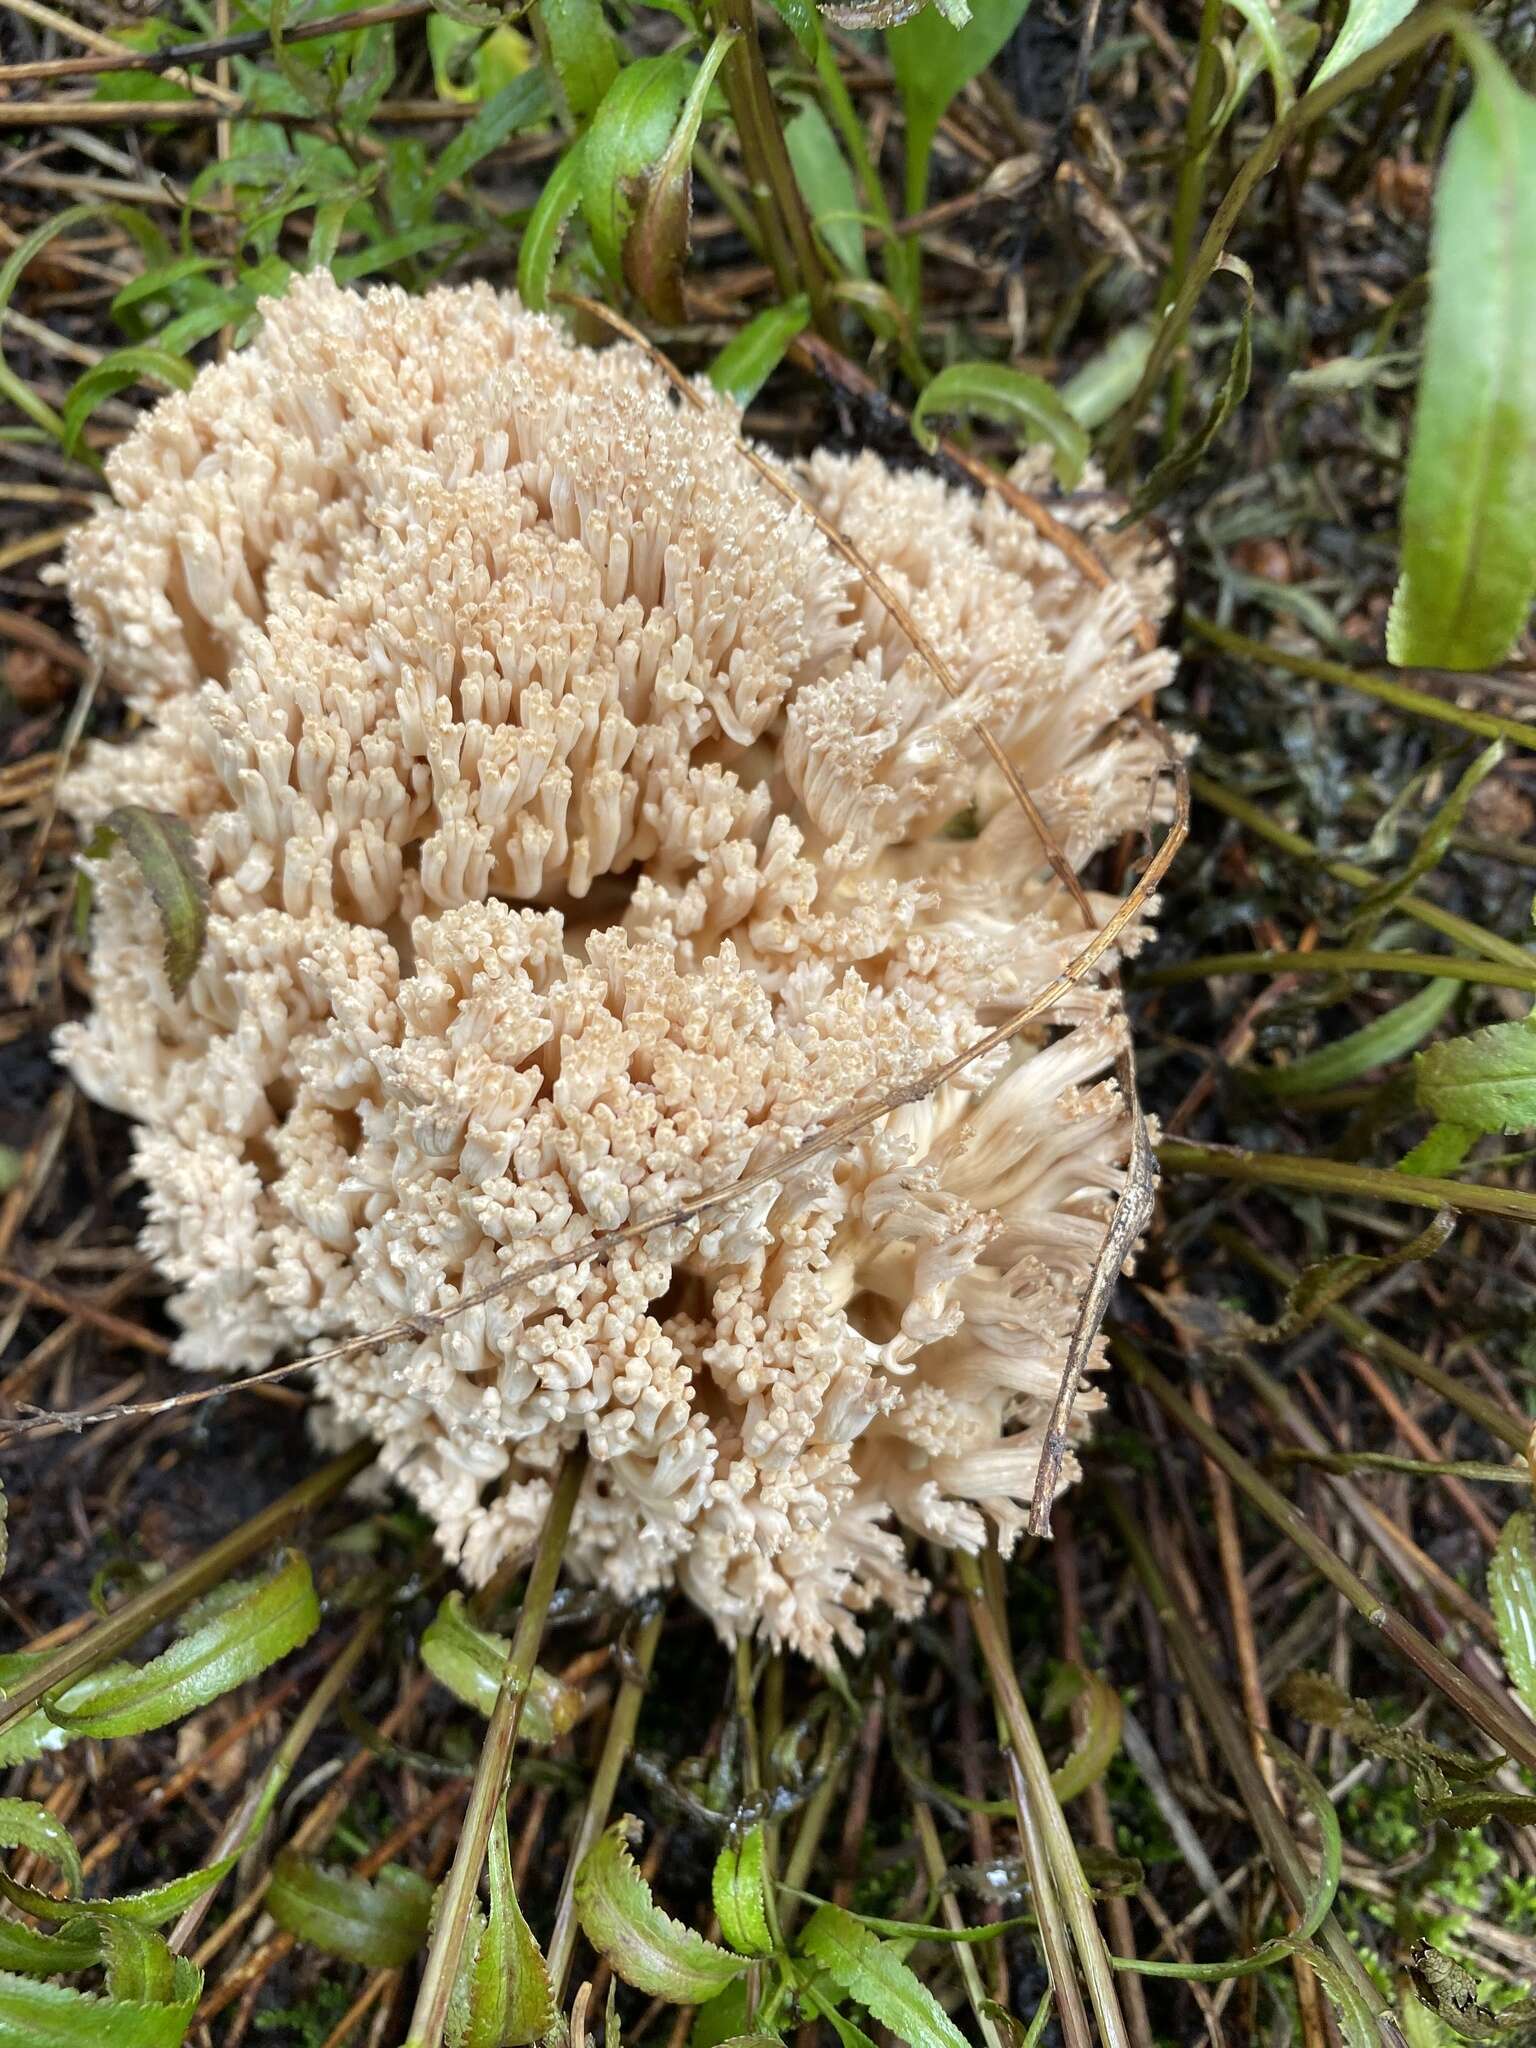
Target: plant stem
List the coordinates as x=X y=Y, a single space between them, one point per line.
x=1459 y=930
x=933 y=1863
x=1493 y=1715
x=489 y=1790
x=109 y=1638
x=1485 y=973
x=1322 y=99
x=1340 y=1177
x=1417 y=703
x=1190 y=197
x=1036 y=1799
x=617 y=1743
x=786 y=230
x=1488 y=1414
x=1270 y=1823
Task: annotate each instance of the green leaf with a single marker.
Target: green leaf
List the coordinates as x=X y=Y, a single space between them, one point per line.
x=1177 y=467
x=1469 y=506
x=379 y=1922
x=1451 y=1992
x=26 y=1825
x=582 y=48
x=1485 y=1081
x=1264 y=26
x=750 y=357
x=1512 y=1596
x=522 y=104
x=53 y=2016
x=1101 y=1739
x=162 y=848
x=546 y=229
x=507 y=1996
x=656 y=244
x=1366 y=23
x=115 y=373
x=873 y=1972
x=1377 y=1044
x=826 y=184
x=1106 y=381
x=629 y=131
x=932 y=62
x=1024 y=402
x=232 y=1637
x=646 y=1946
x=741 y=1894
x=1433 y=841
x=470 y=1661
x=1439 y=1152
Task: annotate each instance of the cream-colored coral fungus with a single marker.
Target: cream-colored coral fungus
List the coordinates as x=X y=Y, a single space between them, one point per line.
x=583 y=833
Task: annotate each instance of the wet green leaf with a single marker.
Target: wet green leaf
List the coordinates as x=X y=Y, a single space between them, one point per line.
x=583 y=51
x=1377 y=1044
x=1101 y=1738
x=646 y=1946
x=1177 y=467
x=749 y=358
x=1512 y=1596
x=1485 y=1081
x=872 y=1972
x=827 y=187
x=1469 y=505
x=629 y=132
x=26 y=1825
x=55 y=2016
x=1022 y=401
x=234 y=1636
x=379 y=1922
x=1279 y=56
x=522 y=104
x=506 y=1994
x=741 y=1894
x=161 y=848
x=471 y=1660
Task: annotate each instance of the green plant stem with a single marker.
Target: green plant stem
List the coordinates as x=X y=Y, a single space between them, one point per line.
x=1488 y=1414
x=1035 y=1798
x=618 y=1740
x=1486 y=973
x=791 y=246
x=1190 y=198
x=1411 y=35
x=146 y=1610
x=1459 y=930
x=934 y=1863
x=1234 y=1740
x=1347 y=1462
x=1340 y=1177
x=1416 y=703
x=1493 y=1715
x=264 y=1794
x=489 y=1790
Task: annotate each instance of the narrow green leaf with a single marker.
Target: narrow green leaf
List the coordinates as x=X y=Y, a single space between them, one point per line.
x=933 y=61
x=1485 y=1081
x=1024 y=402
x=253 y=1624
x=1469 y=505
x=750 y=357
x=1101 y=1740
x=1178 y=466
x=546 y=229
x=115 y=373
x=1097 y=391
x=75 y=1947
x=1377 y=1044
x=1264 y=25
x=1512 y=1596
x=522 y=104
x=826 y=184
x=470 y=1661
x=646 y=1946
x=507 y=1998
x=380 y=1922
x=26 y=1825
x=873 y=1972
x=162 y=848
x=656 y=243
x=1433 y=841
x=741 y=1894
x=1440 y=1151
x=1364 y=27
